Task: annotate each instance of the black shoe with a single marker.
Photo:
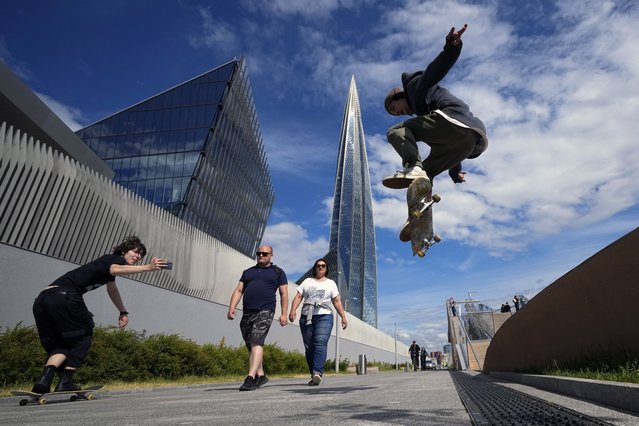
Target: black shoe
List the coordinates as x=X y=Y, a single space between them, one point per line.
x=249 y=384
x=66 y=382
x=261 y=381
x=43 y=384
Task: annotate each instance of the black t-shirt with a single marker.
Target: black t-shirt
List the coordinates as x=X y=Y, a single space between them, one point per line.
x=260 y=285
x=414 y=350
x=92 y=275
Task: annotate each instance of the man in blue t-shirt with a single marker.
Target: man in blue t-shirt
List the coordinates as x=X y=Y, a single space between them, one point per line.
x=257 y=286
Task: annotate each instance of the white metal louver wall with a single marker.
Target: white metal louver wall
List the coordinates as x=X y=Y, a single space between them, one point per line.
x=55 y=206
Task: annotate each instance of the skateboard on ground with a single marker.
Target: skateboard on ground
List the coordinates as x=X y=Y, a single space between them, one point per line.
x=418 y=229
x=41 y=398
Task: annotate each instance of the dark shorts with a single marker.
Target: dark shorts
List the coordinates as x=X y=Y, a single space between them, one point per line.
x=64 y=323
x=255 y=326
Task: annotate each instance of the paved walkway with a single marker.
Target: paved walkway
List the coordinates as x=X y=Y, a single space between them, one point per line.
x=419 y=398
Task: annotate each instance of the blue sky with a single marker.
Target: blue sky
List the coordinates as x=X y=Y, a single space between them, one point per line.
x=554 y=82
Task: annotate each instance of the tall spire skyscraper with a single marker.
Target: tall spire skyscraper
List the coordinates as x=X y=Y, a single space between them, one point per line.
x=352 y=259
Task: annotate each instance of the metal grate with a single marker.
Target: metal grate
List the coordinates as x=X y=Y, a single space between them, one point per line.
x=491 y=404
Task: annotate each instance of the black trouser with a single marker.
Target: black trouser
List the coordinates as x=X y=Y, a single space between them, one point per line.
x=64 y=324
x=449 y=143
x=415 y=362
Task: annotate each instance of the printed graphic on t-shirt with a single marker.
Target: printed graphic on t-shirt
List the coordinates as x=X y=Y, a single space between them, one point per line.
x=316 y=295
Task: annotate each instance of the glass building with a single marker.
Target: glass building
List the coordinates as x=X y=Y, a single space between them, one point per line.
x=352 y=257
x=196 y=151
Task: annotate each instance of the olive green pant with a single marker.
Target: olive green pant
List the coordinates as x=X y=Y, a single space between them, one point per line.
x=449 y=143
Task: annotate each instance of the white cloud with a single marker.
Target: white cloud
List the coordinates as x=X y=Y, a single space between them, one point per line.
x=293 y=249
x=215 y=34
x=308 y=9
x=69 y=115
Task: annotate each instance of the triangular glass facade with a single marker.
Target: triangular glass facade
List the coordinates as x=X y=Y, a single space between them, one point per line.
x=195 y=150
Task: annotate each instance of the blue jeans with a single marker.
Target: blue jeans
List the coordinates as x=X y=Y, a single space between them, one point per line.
x=315 y=337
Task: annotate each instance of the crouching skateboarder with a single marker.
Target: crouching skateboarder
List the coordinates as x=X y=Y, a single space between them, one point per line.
x=441 y=120
x=64 y=323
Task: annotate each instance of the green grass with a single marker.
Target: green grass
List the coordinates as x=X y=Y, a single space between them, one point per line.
x=628 y=373
x=607 y=366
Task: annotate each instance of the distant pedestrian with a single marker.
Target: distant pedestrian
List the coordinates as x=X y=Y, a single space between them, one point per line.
x=316 y=318
x=413 y=350
x=506 y=307
x=64 y=323
x=422 y=357
x=516 y=302
x=257 y=287
x=453 y=308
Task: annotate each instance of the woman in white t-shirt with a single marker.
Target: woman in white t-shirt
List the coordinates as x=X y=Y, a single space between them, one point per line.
x=316 y=318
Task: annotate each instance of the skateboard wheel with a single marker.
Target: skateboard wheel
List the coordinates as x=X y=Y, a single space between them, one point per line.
x=42 y=401
x=73 y=398
x=436 y=198
x=90 y=397
x=421 y=253
x=23 y=402
x=416 y=214
x=437 y=238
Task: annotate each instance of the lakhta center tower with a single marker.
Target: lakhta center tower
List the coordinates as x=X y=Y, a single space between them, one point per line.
x=352 y=259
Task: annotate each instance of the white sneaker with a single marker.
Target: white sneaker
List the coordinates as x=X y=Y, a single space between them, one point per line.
x=317 y=378
x=403 y=178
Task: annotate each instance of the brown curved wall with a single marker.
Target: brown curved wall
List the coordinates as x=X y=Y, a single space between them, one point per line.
x=592 y=308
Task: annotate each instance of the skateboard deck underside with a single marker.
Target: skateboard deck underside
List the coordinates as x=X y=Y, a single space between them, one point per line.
x=420 y=216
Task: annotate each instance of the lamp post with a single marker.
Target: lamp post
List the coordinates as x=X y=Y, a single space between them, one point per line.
x=395 y=325
x=338 y=326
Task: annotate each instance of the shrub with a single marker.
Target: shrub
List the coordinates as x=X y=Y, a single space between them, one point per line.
x=223 y=360
x=115 y=355
x=21 y=356
x=279 y=361
x=343 y=364
x=172 y=357
x=125 y=355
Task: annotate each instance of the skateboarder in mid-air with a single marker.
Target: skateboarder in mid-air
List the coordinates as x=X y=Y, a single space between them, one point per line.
x=441 y=120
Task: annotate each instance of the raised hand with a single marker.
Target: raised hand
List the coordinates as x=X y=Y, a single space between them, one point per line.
x=454 y=37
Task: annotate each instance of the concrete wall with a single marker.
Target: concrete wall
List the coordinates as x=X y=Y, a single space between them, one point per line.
x=156 y=310
x=592 y=308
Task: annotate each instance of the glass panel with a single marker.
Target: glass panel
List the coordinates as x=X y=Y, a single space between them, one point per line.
x=175 y=119
x=178 y=169
x=184 y=116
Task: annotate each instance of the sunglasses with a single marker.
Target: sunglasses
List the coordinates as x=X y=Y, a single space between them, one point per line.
x=262 y=254
x=321 y=266
x=397 y=96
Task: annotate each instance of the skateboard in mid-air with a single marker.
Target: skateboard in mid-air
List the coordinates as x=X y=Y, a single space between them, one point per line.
x=418 y=229
x=41 y=398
